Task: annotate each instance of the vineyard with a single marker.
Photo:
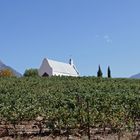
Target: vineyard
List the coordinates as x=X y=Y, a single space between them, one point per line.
x=66 y=103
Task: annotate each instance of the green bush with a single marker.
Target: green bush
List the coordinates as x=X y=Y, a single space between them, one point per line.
x=31 y=73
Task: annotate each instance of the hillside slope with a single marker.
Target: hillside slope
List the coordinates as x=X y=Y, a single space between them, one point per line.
x=3 y=66
x=136 y=76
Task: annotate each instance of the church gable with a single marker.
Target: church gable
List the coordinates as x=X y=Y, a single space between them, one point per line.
x=52 y=67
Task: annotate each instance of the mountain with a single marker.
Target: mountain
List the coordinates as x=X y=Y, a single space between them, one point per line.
x=136 y=76
x=3 y=66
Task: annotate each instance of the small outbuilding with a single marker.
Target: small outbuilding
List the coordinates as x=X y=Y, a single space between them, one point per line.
x=56 y=68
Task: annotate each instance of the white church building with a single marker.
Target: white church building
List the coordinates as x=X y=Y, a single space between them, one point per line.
x=56 y=68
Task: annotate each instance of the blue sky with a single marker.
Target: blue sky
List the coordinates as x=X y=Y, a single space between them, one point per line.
x=92 y=32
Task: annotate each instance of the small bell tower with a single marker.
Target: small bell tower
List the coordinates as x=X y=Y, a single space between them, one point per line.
x=71 y=62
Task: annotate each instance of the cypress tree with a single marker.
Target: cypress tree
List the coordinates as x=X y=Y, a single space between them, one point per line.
x=108 y=72
x=99 y=73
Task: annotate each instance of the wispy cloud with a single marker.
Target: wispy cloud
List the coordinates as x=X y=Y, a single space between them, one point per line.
x=97 y=36
x=107 y=39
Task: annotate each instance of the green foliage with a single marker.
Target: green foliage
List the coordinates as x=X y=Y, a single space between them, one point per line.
x=31 y=73
x=71 y=102
x=108 y=72
x=99 y=73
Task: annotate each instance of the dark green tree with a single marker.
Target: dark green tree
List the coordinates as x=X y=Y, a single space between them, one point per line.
x=31 y=72
x=108 y=72
x=99 y=73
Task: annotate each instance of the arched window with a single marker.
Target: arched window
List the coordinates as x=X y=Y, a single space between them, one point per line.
x=45 y=75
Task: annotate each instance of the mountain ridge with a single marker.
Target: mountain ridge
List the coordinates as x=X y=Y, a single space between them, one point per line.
x=136 y=76
x=4 y=66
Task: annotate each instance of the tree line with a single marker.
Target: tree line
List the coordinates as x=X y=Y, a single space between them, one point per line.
x=34 y=73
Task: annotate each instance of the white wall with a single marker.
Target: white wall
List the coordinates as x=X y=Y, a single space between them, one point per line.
x=45 y=67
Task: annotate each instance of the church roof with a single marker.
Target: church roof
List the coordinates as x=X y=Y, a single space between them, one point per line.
x=63 y=68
